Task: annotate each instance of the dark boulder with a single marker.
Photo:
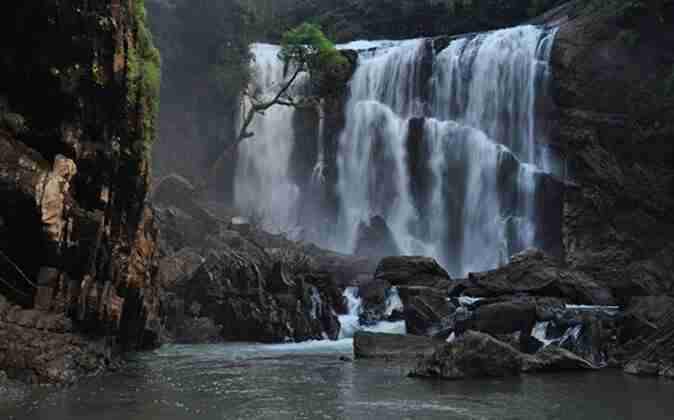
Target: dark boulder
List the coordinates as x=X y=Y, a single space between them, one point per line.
x=375 y=239
x=503 y=318
x=373 y=295
x=413 y=271
x=554 y=359
x=473 y=355
x=656 y=357
x=426 y=310
x=534 y=273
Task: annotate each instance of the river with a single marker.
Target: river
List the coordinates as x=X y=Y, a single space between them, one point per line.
x=309 y=381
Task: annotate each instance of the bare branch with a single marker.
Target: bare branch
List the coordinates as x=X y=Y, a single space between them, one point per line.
x=17 y=269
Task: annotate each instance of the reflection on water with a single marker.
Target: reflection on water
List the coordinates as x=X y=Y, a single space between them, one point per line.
x=308 y=381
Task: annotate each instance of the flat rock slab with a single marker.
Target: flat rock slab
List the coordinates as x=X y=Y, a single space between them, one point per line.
x=368 y=345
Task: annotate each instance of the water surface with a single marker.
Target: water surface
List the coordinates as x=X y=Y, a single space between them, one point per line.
x=309 y=381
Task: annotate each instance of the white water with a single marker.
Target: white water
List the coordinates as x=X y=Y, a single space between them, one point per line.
x=350 y=324
x=472 y=116
x=263 y=187
x=479 y=145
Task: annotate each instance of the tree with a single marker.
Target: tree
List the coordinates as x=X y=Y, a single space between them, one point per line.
x=304 y=49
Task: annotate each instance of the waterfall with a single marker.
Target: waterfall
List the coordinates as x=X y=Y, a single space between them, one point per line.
x=446 y=142
x=349 y=322
x=263 y=187
x=450 y=160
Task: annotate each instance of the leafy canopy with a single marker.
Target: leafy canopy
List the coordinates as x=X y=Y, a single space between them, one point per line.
x=308 y=48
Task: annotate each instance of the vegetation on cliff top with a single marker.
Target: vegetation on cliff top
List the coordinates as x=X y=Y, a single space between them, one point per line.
x=144 y=78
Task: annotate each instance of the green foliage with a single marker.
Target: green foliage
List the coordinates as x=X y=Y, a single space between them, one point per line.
x=344 y=20
x=307 y=47
x=144 y=79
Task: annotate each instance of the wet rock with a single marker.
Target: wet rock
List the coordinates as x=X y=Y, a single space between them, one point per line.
x=368 y=345
x=413 y=271
x=554 y=359
x=503 y=318
x=534 y=273
x=373 y=296
x=426 y=309
x=472 y=355
x=652 y=309
x=375 y=239
x=656 y=357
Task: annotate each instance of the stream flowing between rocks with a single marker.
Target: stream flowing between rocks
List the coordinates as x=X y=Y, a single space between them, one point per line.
x=309 y=381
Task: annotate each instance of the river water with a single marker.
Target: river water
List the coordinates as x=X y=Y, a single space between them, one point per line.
x=309 y=381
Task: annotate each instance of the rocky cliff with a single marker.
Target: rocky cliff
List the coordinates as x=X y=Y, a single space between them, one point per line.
x=77 y=239
x=615 y=128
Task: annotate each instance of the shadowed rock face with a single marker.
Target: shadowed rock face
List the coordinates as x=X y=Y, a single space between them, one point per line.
x=76 y=236
x=615 y=124
x=534 y=273
x=477 y=355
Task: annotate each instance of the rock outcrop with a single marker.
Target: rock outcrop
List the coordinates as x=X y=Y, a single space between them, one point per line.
x=615 y=125
x=535 y=274
x=77 y=239
x=478 y=354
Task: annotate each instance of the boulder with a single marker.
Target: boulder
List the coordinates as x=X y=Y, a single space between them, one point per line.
x=373 y=295
x=375 y=239
x=426 y=310
x=503 y=318
x=472 y=355
x=652 y=309
x=369 y=345
x=656 y=358
x=413 y=271
x=533 y=273
x=554 y=359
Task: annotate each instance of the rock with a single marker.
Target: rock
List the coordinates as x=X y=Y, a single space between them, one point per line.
x=406 y=348
x=425 y=309
x=657 y=356
x=616 y=123
x=74 y=221
x=413 y=271
x=503 y=318
x=280 y=280
x=175 y=268
x=373 y=296
x=534 y=273
x=554 y=359
x=473 y=355
x=375 y=239
x=652 y=309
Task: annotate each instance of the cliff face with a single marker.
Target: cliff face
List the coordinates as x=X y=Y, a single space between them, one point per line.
x=615 y=126
x=77 y=239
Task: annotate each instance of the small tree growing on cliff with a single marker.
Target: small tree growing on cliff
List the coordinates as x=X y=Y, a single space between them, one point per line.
x=304 y=49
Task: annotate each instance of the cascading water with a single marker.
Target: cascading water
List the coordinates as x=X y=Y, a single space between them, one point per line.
x=350 y=323
x=449 y=162
x=263 y=187
x=446 y=145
